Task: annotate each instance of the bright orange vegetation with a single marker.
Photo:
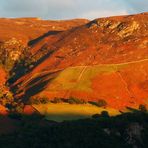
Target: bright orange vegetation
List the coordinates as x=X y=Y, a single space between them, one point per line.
x=29 y=110
x=102 y=59
x=3 y=76
x=3 y=110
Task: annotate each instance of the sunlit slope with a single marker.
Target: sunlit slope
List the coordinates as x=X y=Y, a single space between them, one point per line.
x=63 y=111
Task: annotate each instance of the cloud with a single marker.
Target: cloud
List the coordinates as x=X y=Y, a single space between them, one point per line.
x=66 y=9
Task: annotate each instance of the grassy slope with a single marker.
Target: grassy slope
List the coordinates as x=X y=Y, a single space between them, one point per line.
x=79 y=77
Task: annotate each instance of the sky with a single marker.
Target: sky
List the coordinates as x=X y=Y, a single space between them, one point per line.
x=69 y=9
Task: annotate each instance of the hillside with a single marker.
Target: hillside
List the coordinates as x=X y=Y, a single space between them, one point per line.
x=17 y=36
x=103 y=59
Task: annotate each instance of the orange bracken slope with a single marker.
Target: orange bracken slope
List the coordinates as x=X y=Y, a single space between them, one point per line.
x=105 y=58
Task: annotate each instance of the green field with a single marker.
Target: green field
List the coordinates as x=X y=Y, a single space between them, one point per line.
x=80 y=77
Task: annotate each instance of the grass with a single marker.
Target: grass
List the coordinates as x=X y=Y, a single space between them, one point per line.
x=64 y=111
x=80 y=77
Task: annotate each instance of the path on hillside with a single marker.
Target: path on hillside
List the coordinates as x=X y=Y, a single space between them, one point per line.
x=115 y=64
x=84 y=69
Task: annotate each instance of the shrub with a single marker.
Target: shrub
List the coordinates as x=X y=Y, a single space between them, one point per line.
x=38 y=100
x=6 y=97
x=44 y=100
x=9 y=96
x=142 y=108
x=75 y=101
x=19 y=108
x=99 y=103
x=104 y=114
x=57 y=100
x=95 y=116
x=34 y=100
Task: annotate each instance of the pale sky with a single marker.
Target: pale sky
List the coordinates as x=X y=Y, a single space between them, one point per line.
x=68 y=9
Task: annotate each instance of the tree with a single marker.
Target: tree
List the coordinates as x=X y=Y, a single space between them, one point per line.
x=57 y=100
x=101 y=103
x=142 y=108
x=104 y=114
x=73 y=100
x=96 y=116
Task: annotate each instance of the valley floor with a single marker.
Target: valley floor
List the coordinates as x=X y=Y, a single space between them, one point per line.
x=64 y=111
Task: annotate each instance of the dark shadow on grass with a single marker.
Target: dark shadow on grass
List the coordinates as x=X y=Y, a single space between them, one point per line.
x=45 y=53
x=34 y=41
x=38 y=84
